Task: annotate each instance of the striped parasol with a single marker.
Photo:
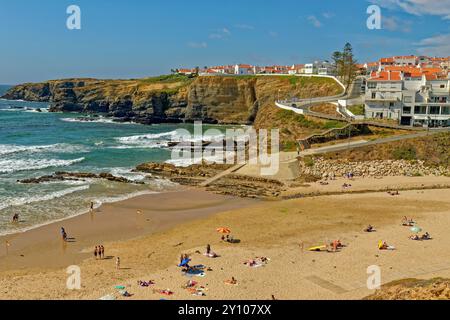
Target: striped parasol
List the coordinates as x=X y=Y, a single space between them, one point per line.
x=223 y=230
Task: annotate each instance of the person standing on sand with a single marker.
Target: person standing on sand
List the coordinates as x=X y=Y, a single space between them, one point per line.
x=208 y=249
x=102 y=252
x=92 y=206
x=63 y=234
x=95 y=252
x=117 y=263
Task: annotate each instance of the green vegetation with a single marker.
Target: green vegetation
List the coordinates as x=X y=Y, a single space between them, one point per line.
x=433 y=150
x=345 y=64
x=357 y=110
x=405 y=153
x=169 y=78
x=301 y=120
x=303 y=81
x=308 y=161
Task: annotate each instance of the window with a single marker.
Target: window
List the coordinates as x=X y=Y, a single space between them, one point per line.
x=434 y=110
x=374 y=95
x=407 y=99
x=442 y=86
x=391 y=104
x=445 y=110
x=420 y=110
x=371 y=85
x=407 y=110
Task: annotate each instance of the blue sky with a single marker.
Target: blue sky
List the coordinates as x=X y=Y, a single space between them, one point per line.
x=136 y=38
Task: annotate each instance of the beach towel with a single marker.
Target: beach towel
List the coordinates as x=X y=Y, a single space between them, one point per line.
x=317 y=248
x=119 y=287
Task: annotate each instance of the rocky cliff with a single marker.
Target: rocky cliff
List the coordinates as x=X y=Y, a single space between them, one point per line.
x=174 y=98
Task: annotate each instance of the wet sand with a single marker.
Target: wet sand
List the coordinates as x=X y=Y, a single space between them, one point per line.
x=43 y=247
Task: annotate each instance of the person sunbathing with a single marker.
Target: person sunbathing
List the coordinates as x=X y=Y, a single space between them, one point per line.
x=145 y=283
x=233 y=281
x=414 y=237
x=369 y=228
x=407 y=222
x=385 y=246
x=425 y=236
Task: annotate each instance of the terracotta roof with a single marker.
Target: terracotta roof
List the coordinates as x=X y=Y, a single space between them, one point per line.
x=387 y=60
x=386 y=76
x=245 y=66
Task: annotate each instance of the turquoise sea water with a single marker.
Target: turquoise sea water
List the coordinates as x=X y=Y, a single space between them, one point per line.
x=34 y=143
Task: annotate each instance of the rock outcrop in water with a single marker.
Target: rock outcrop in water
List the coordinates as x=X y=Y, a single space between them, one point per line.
x=77 y=176
x=211 y=99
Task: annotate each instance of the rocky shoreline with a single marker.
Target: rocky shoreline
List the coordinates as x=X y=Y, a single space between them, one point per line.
x=232 y=184
x=170 y=98
x=77 y=176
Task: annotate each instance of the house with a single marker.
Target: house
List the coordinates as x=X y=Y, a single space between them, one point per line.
x=186 y=71
x=296 y=69
x=405 y=60
x=243 y=69
x=387 y=62
x=310 y=68
x=412 y=96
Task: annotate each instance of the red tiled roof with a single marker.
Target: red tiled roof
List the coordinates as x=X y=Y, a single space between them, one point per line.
x=386 y=76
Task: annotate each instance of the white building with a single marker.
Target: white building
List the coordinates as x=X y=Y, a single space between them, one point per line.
x=244 y=69
x=412 y=100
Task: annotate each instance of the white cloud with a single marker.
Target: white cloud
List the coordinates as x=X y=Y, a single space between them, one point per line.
x=198 y=45
x=314 y=21
x=220 y=34
x=418 y=7
x=396 y=24
x=245 y=26
x=435 y=46
x=328 y=15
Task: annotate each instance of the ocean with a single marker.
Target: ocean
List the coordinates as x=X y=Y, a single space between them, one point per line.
x=33 y=144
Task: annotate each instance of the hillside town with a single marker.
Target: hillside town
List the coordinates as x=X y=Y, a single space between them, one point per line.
x=411 y=90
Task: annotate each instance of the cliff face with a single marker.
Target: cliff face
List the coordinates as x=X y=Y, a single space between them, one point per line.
x=225 y=100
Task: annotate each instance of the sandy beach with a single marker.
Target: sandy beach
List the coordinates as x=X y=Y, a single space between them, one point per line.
x=149 y=245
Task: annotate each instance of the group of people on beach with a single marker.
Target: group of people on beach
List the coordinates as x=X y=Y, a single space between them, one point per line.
x=227 y=238
x=99 y=252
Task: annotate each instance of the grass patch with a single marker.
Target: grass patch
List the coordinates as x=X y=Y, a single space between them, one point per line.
x=405 y=153
x=168 y=78
x=357 y=110
x=299 y=119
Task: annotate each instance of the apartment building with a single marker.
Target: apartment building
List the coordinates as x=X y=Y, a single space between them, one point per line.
x=412 y=98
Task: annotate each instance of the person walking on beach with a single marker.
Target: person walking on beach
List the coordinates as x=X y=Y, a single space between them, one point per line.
x=117 y=263
x=208 y=249
x=102 y=252
x=63 y=234
x=96 y=252
x=92 y=206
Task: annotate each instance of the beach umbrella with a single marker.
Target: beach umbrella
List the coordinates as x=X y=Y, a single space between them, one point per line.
x=416 y=229
x=223 y=230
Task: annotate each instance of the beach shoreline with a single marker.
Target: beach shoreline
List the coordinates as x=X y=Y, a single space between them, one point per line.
x=113 y=221
x=149 y=244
